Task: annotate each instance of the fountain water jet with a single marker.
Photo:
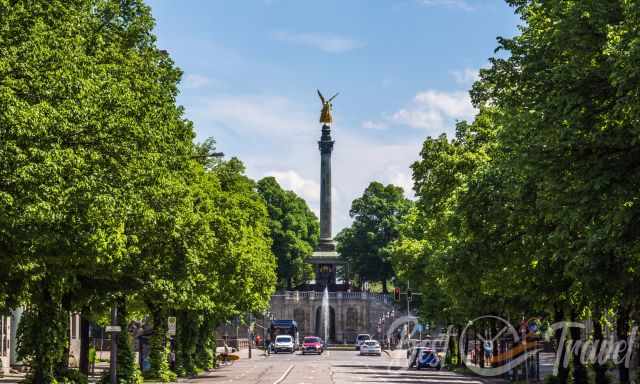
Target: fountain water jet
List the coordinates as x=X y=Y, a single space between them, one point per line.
x=325 y=314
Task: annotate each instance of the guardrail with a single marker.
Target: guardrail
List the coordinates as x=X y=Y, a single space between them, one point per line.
x=232 y=342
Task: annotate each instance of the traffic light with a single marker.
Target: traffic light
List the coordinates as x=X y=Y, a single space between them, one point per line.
x=408 y=294
x=396 y=294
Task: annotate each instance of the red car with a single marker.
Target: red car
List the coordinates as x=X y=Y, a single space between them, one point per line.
x=312 y=344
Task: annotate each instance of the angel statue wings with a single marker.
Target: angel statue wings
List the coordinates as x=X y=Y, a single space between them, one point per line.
x=325 y=114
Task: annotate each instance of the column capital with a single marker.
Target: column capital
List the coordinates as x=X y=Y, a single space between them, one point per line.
x=325 y=146
x=326 y=143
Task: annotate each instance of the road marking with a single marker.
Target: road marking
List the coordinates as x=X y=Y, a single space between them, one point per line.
x=284 y=375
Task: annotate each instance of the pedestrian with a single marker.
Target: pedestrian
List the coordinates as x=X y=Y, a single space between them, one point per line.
x=225 y=354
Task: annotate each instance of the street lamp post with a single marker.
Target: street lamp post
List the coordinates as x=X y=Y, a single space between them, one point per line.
x=113 y=363
x=250 y=333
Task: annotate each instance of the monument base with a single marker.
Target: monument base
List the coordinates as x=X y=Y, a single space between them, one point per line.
x=326 y=245
x=325 y=260
x=325 y=257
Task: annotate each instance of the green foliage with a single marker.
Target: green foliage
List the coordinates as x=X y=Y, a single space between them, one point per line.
x=42 y=336
x=92 y=355
x=205 y=153
x=532 y=209
x=71 y=376
x=103 y=193
x=294 y=232
x=376 y=221
x=206 y=346
x=188 y=325
x=128 y=371
x=89 y=126
x=551 y=379
x=159 y=362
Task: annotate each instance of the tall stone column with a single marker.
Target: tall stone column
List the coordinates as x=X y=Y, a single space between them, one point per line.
x=326 y=147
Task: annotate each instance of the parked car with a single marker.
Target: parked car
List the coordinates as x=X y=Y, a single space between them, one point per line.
x=425 y=357
x=283 y=343
x=312 y=344
x=370 y=347
x=361 y=338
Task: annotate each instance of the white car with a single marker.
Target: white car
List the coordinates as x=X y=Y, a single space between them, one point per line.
x=283 y=343
x=370 y=347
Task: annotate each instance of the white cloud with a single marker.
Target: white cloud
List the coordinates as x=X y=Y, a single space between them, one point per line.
x=193 y=81
x=370 y=124
x=461 y=4
x=404 y=180
x=292 y=181
x=268 y=116
x=435 y=111
x=466 y=76
x=325 y=42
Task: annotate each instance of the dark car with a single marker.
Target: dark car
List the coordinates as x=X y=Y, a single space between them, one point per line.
x=312 y=344
x=424 y=357
x=361 y=338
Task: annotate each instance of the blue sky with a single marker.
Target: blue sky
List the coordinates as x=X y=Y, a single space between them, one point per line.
x=403 y=69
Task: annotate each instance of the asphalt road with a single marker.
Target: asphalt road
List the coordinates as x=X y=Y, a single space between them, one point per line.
x=332 y=367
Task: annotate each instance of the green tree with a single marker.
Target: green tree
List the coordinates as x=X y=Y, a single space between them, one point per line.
x=294 y=231
x=570 y=127
x=376 y=219
x=538 y=193
x=90 y=107
x=210 y=258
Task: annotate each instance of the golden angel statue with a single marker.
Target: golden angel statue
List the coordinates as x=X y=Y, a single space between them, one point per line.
x=325 y=114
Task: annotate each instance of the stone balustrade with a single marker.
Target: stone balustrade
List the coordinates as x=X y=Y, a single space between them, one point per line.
x=315 y=295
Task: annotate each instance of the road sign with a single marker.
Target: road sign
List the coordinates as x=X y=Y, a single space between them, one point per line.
x=112 y=329
x=171 y=325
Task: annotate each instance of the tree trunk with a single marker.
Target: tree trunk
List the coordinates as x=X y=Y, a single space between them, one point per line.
x=84 y=344
x=461 y=351
x=204 y=346
x=63 y=364
x=158 y=362
x=600 y=369
x=384 y=286
x=579 y=370
x=186 y=343
x=622 y=331
x=128 y=370
x=44 y=328
x=563 y=373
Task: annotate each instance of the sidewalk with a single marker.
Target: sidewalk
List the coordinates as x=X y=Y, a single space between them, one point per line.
x=12 y=378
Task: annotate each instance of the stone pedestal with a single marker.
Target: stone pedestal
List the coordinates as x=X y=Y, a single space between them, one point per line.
x=350 y=313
